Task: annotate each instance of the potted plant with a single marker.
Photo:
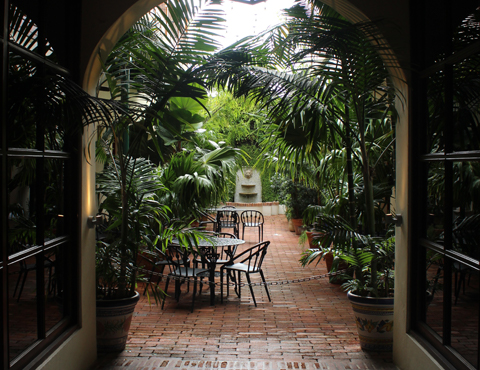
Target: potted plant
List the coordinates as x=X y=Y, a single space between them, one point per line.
x=296 y=197
x=130 y=190
x=127 y=187
x=369 y=279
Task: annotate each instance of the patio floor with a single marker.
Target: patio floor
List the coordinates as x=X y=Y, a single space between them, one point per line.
x=308 y=325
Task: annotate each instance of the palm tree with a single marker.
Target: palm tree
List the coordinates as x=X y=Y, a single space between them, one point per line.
x=153 y=70
x=338 y=88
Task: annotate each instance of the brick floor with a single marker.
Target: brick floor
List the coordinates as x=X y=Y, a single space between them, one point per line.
x=307 y=325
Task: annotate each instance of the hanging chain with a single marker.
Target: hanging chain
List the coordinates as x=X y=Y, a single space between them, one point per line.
x=280 y=282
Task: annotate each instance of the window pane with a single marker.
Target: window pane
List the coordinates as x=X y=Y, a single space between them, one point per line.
x=54 y=198
x=436 y=113
x=22 y=317
x=434 y=294
x=436 y=199
x=54 y=288
x=466 y=195
x=465 y=311
x=466 y=236
x=466 y=108
x=22 y=226
x=22 y=109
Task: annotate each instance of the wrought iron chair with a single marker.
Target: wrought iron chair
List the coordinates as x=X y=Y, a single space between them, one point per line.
x=466 y=236
x=156 y=259
x=228 y=219
x=252 y=218
x=248 y=262
x=228 y=207
x=25 y=268
x=181 y=272
x=225 y=252
x=206 y=220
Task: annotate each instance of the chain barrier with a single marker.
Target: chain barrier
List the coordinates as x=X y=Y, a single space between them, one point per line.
x=281 y=282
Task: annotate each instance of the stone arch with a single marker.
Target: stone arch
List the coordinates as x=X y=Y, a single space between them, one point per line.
x=118 y=24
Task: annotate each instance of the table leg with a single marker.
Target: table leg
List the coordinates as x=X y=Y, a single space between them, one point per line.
x=211 y=279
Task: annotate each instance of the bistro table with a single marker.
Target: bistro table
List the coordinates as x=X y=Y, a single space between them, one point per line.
x=212 y=243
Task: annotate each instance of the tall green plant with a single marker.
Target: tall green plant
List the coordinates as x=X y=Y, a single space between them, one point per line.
x=338 y=85
x=154 y=69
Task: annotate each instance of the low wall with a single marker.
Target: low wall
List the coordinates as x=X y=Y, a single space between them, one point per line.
x=267 y=208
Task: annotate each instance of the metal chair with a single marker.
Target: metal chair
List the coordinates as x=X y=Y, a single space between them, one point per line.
x=225 y=252
x=248 y=262
x=252 y=218
x=157 y=260
x=180 y=272
x=206 y=220
x=228 y=219
x=25 y=268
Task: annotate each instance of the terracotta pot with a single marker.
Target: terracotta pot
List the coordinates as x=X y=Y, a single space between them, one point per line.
x=374 y=319
x=342 y=266
x=329 y=261
x=113 y=323
x=310 y=239
x=297 y=223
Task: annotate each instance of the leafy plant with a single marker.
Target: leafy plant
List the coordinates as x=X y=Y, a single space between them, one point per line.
x=136 y=221
x=296 y=197
x=370 y=259
x=198 y=179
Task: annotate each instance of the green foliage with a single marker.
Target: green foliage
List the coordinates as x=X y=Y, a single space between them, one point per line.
x=370 y=259
x=130 y=200
x=236 y=121
x=335 y=94
x=198 y=179
x=294 y=195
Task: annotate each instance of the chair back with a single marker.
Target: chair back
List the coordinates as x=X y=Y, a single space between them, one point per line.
x=206 y=219
x=227 y=219
x=252 y=217
x=253 y=257
x=176 y=256
x=226 y=252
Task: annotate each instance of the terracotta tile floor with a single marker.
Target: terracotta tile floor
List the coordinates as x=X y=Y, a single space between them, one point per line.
x=307 y=325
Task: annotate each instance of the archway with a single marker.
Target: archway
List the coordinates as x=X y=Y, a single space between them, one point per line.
x=346 y=8
x=101 y=44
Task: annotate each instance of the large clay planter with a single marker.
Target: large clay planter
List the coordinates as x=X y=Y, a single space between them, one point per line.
x=297 y=223
x=310 y=239
x=113 y=323
x=341 y=266
x=374 y=319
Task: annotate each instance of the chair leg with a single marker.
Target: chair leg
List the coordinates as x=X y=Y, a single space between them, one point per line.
x=149 y=281
x=21 y=286
x=265 y=283
x=51 y=284
x=194 y=292
x=165 y=295
x=18 y=281
x=221 y=285
x=251 y=288
x=238 y=286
